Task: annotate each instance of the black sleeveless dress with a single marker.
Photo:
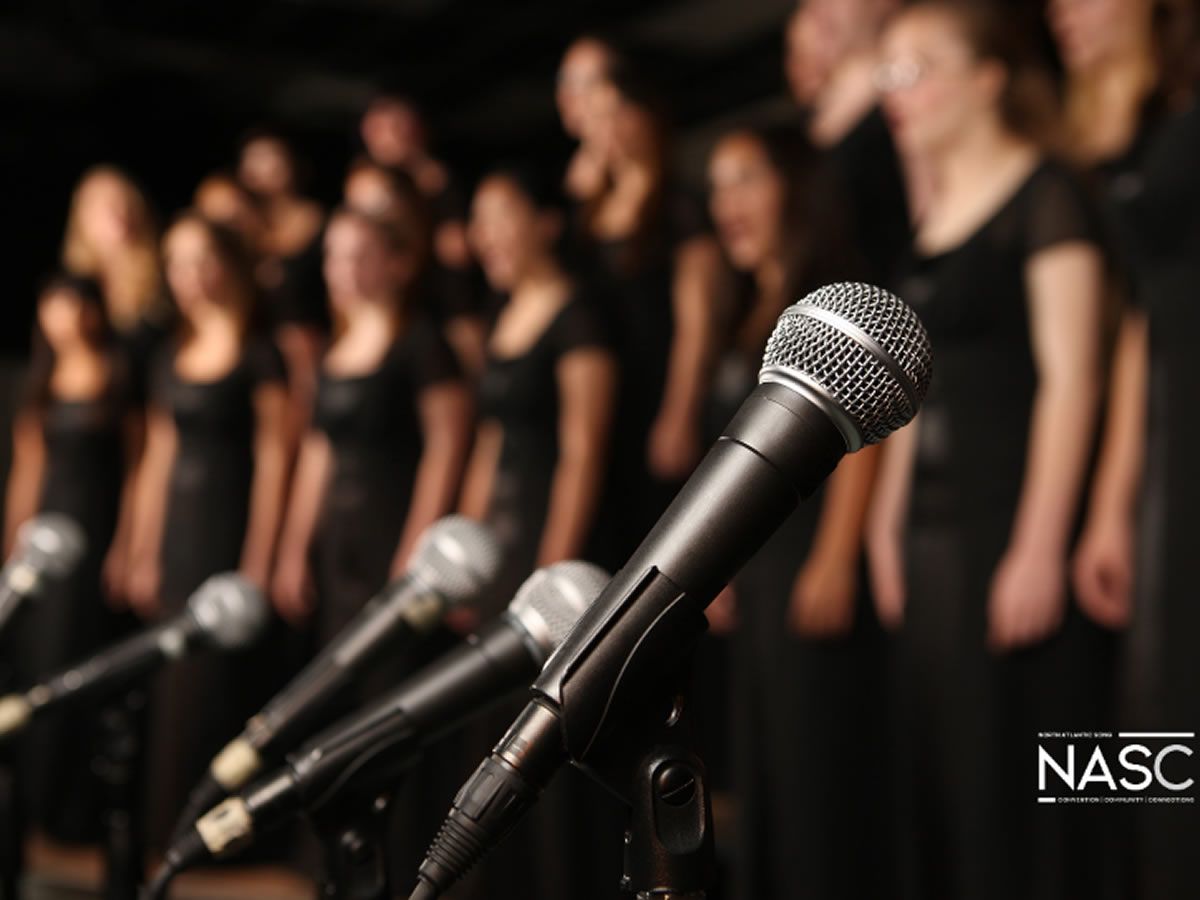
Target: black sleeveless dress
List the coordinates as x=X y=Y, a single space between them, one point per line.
x=569 y=845
x=969 y=719
x=1156 y=204
x=201 y=702
x=85 y=443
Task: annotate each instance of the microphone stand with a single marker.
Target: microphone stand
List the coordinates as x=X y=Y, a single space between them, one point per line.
x=117 y=764
x=669 y=851
x=353 y=834
x=12 y=822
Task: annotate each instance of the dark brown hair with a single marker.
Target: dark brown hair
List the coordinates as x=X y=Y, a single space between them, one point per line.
x=235 y=259
x=1029 y=104
x=41 y=364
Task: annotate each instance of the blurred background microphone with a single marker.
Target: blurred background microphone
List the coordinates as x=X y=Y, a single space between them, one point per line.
x=844 y=367
x=48 y=546
x=455 y=562
x=225 y=612
x=370 y=748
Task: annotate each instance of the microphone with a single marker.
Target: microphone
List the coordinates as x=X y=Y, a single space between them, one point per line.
x=454 y=562
x=844 y=367
x=378 y=742
x=226 y=612
x=48 y=546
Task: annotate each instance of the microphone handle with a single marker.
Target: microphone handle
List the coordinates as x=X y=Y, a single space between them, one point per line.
x=377 y=742
x=498 y=659
x=119 y=665
x=775 y=451
x=385 y=623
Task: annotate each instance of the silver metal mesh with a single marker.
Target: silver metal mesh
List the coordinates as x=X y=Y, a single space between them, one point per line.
x=552 y=599
x=51 y=543
x=457 y=557
x=862 y=348
x=230 y=610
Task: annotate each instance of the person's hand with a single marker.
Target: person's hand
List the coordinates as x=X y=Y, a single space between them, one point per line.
x=674 y=447
x=1102 y=571
x=822 y=602
x=885 y=565
x=722 y=613
x=292 y=590
x=1028 y=597
x=142 y=590
x=114 y=578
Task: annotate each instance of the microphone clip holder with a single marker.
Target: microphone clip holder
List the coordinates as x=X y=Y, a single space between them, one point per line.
x=668 y=845
x=353 y=834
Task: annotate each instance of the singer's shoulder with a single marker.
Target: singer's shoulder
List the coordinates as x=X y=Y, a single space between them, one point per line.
x=263 y=361
x=584 y=321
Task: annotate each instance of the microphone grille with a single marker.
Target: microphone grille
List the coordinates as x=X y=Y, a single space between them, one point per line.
x=52 y=543
x=457 y=557
x=861 y=350
x=552 y=599
x=229 y=610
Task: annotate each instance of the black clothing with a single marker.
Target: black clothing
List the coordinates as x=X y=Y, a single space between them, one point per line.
x=634 y=276
x=373 y=425
x=200 y=703
x=297 y=294
x=521 y=394
x=85 y=461
x=570 y=843
x=805 y=714
x=1156 y=206
x=970 y=718
x=867 y=169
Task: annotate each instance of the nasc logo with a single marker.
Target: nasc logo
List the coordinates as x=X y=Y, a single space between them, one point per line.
x=1136 y=767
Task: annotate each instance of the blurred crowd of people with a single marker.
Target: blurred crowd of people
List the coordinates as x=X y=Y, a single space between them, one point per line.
x=296 y=393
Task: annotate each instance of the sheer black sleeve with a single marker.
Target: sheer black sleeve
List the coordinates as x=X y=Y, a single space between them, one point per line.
x=264 y=363
x=433 y=362
x=580 y=325
x=1059 y=211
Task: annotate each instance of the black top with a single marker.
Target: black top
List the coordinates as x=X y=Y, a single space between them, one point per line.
x=218 y=412
x=376 y=412
x=634 y=274
x=870 y=178
x=521 y=392
x=974 y=423
x=299 y=297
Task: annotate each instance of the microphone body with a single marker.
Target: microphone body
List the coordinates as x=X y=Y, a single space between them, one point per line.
x=844 y=367
x=455 y=561
x=225 y=611
x=48 y=546
x=371 y=747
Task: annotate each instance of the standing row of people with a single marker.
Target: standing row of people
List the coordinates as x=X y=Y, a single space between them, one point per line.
x=298 y=395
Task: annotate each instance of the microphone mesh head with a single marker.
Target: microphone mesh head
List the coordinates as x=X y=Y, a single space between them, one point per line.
x=229 y=610
x=552 y=599
x=858 y=347
x=457 y=557
x=52 y=543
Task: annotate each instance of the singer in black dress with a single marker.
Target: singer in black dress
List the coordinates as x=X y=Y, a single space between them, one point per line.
x=980 y=498
x=210 y=497
x=536 y=477
x=1137 y=556
x=390 y=428
x=74 y=440
x=644 y=243
x=807 y=675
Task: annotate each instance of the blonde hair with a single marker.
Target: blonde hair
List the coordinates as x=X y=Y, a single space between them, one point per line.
x=132 y=286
